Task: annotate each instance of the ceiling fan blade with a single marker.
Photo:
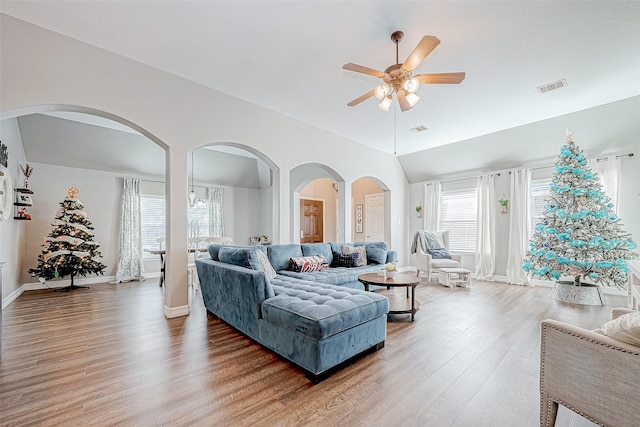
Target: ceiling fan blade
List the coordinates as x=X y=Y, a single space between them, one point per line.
x=362 y=98
x=402 y=100
x=364 y=70
x=424 y=48
x=440 y=78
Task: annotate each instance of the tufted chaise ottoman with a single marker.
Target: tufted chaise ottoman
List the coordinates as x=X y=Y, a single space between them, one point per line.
x=317 y=325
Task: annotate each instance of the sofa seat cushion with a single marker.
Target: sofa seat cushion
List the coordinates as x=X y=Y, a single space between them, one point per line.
x=320 y=311
x=334 y=275
x=444 y=263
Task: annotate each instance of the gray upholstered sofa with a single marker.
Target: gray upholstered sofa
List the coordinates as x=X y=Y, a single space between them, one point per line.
x=316 y=320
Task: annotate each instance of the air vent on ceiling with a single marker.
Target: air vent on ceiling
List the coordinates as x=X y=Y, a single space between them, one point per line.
x=419 y=129
x=552 y=86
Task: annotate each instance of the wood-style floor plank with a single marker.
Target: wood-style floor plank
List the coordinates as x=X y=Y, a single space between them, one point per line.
x=108 y=356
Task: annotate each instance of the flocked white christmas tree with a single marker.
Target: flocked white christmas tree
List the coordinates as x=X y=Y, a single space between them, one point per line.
x=580 y=235
x=69 y=249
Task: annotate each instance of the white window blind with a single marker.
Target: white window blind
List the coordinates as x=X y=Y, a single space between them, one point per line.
x=540 y=194
x=152 y=220
x=153 y=223
x=458 y=214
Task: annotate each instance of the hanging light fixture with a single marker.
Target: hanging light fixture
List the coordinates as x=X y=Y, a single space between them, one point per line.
x=194 y=200
x=386 y=102
x=192 y=193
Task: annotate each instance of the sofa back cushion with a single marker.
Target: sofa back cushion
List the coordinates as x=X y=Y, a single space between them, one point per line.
x=376 y=251
x=279 y=255
x=214 y=249
x=321 y=249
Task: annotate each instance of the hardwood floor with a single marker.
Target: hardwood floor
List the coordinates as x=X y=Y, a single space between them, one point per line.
x=107 y=356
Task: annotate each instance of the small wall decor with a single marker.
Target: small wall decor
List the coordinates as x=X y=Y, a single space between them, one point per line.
x=4 y=155
x=26 y=171
x=358 y=218
x=419 y=211
x=504 y=206
x=25 y=200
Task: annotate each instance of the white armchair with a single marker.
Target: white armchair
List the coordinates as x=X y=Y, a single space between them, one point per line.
x=426 y=263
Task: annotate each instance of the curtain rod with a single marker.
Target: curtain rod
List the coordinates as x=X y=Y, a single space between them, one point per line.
x=459 y=179
x=162 y=182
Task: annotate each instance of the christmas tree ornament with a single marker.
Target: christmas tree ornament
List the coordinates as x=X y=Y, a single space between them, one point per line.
x=586 y=240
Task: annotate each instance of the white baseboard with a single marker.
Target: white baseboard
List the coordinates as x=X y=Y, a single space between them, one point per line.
x=171 y=312
x=11 y=297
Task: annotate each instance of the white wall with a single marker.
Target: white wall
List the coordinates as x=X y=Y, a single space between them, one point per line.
x=41 y=68
x=12 y=232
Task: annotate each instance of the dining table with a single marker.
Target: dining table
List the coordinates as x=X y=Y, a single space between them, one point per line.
x=163 y=252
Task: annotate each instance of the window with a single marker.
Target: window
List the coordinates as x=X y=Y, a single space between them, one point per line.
x=539 y=198
x=458 y=214
x=152 y=220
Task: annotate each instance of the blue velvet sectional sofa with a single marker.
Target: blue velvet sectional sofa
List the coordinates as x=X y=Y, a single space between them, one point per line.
x=317 y=320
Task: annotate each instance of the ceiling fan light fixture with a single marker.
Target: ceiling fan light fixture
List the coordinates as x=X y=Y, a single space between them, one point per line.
x=412 y=99
x=381 y=91
x=411 y=85
x=385 y=104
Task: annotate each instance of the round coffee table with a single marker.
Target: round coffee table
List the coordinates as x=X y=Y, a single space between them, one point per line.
x=406 y=280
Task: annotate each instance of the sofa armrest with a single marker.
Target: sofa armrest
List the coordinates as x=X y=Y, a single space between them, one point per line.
x=456 y=257
x=589 y=373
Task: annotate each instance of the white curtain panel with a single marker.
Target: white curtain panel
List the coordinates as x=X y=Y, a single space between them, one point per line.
x=431 y=208
x=519 y=219
x=485 y=238
x=216 y=211
x=130 y=265
x=608 y=171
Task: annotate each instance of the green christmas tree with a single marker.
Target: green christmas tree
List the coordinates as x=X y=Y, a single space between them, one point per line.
x=580 y=235
x=69 y=249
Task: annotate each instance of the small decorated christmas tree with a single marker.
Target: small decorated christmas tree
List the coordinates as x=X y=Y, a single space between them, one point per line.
x=580 y=235
x=69 y=249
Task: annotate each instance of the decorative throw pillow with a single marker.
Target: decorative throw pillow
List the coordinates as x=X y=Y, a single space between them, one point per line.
x=360 y=250
x=441 y=253
x=345 y=260
x=266 y=265
x=307 y=264
x=625 y=328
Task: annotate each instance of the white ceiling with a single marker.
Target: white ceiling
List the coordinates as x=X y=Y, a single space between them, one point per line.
x=287 y=56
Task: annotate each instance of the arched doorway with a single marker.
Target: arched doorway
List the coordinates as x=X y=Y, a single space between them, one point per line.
x=314 y=184
x=91 y=149
x=247 y=182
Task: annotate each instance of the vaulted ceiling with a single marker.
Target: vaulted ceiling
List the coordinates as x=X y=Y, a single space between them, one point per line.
x=288 y=56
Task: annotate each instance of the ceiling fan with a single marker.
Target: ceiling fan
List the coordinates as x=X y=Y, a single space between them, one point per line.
x=398 y=77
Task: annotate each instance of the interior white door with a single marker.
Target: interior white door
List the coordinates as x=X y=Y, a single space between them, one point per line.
x=374 y=218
